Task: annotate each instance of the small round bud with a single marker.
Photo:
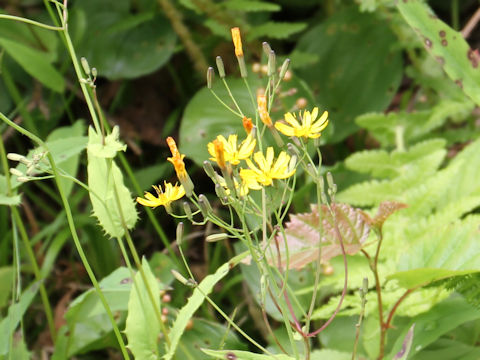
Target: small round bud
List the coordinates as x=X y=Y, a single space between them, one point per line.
x=301 y=103
x=166 y=298
x=94 y=72
x=256 y=67
x=288 y=75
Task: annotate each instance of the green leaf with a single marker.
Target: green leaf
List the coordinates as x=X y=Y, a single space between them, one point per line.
x=120 y=44
x=6 y=279
x=303 y=233
x=330 y=355
x=15 y=314
x=347 y=85
x=194 y=302
x=429 y=326
x=10 y=200
x=243 y=355
x=447 y=349
x=275 y=30
x=445 y=251
x=251 y=5
x=142 y=327
x=36 y=63
x=446 y=45
x=106 y=183
x=406 y=345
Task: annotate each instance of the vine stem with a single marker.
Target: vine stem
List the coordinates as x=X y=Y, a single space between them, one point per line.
x=73 y=231
x=31 y=22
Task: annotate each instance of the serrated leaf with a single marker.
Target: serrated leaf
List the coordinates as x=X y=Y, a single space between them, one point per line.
x=109 y=147
x=459 y=61
x=104 y=179
x=36 y=63
x=275 y=30
x=304 y=232
x=449 y=250
x=243 y=355
x=142 y=327
x=251 y=5
x=195 y=301
x=384 y=211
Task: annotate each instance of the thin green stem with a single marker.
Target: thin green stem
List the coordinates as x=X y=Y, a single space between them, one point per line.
x=31 y=22
x=73 y=231
x=232 y=97
x=224 y=104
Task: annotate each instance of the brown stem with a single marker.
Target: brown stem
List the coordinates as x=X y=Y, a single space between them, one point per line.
x=378 y=290
x=185 y=36
x=267 y=323
x=399 y=301
x=471 y=24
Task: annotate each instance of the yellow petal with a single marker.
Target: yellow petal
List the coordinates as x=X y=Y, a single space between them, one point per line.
x=285 y=129
x=269 y=158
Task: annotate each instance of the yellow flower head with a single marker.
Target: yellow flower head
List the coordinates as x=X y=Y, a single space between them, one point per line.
x=262 y=110
x=232 y=153
x=219 y=153
x=237 y=41
x=267 y=169
x=247 y=124
x=164 y=197
x=309 y=127
x=177 y=159
x=241 y=188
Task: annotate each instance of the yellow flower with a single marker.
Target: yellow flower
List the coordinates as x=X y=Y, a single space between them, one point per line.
x=267 y=169
x=231 y=151
x=241 y=188
x=237 y=41
x=164 y=197
x=262 y=110
x=309 y=127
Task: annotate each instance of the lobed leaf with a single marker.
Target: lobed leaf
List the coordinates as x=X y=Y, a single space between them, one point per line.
x=304 y=232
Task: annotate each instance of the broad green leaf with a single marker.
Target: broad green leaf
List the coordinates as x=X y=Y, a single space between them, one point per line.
x=304 y=232
x=329 y=354
x=105 y=181
x=382 y=164
x=66 y=143
x=346 y=85
x=448 y=47
x=275 y=30
x=10 y=200
x=121 y=44
x=194 y=302
x=206 y=334
x=406 y=345
x=412 y=125
x=6 y=279
x=36 y=63
x=142 y=327
x=15 y=314
x=429 y=326
x=445 y=251
x=448 y=349
x=244 y=355
x=20 y=350
x=251 y=5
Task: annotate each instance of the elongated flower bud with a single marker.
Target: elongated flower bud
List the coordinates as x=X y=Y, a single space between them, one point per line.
x=271 y=63
x=266 y=48
x=85 y=66
x=207 y=166
x=247 y=124
x=237 y=41
x=210 y=75
x=188 y=210
x=262 y=110
x=179 y=277
x=16 y=172
x=216 y=237
x=179 y=233
x=284 y=68
x=220 y=67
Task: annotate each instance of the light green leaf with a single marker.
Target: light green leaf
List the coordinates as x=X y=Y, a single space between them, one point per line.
x=194 y=302
x=109 y=148
x=15 y=314
x=104 y=177
x=36 y=63
x=10 y=200
x=459 y=61
x=244 y=355
x=275 y=30
x=445 y=251
x=327 y=354
x=406 y=345
x=251 y=5
x=6 y=279
x=142 y=327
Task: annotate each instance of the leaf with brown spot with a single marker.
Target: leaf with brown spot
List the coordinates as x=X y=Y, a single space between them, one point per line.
x=304 y=231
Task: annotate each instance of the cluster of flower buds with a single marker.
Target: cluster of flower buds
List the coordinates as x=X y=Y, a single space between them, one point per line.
x=33 y=166
x=91 y=73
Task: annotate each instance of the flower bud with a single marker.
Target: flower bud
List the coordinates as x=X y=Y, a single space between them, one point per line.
x=293 y=150
x=16 y=157
x=247 y=124
x=208 y=168
x=179 y=277
x=284 y=68
x=179 y=233
x=330 y=181
x=220 y=67
x=237 y=41
x=271 y=63
x=94 y=72
x=16 y=172
x=266 y=48
x=204 y=204
x=216 y=237
x=292 y=163
x=220 y=191
x=85 y=66
x=210 y=75
x=243 y=67
x=23 y=179
x=188 y=211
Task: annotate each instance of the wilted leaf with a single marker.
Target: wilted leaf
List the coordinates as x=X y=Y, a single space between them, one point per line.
x=304 y=231
x=385 y=209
